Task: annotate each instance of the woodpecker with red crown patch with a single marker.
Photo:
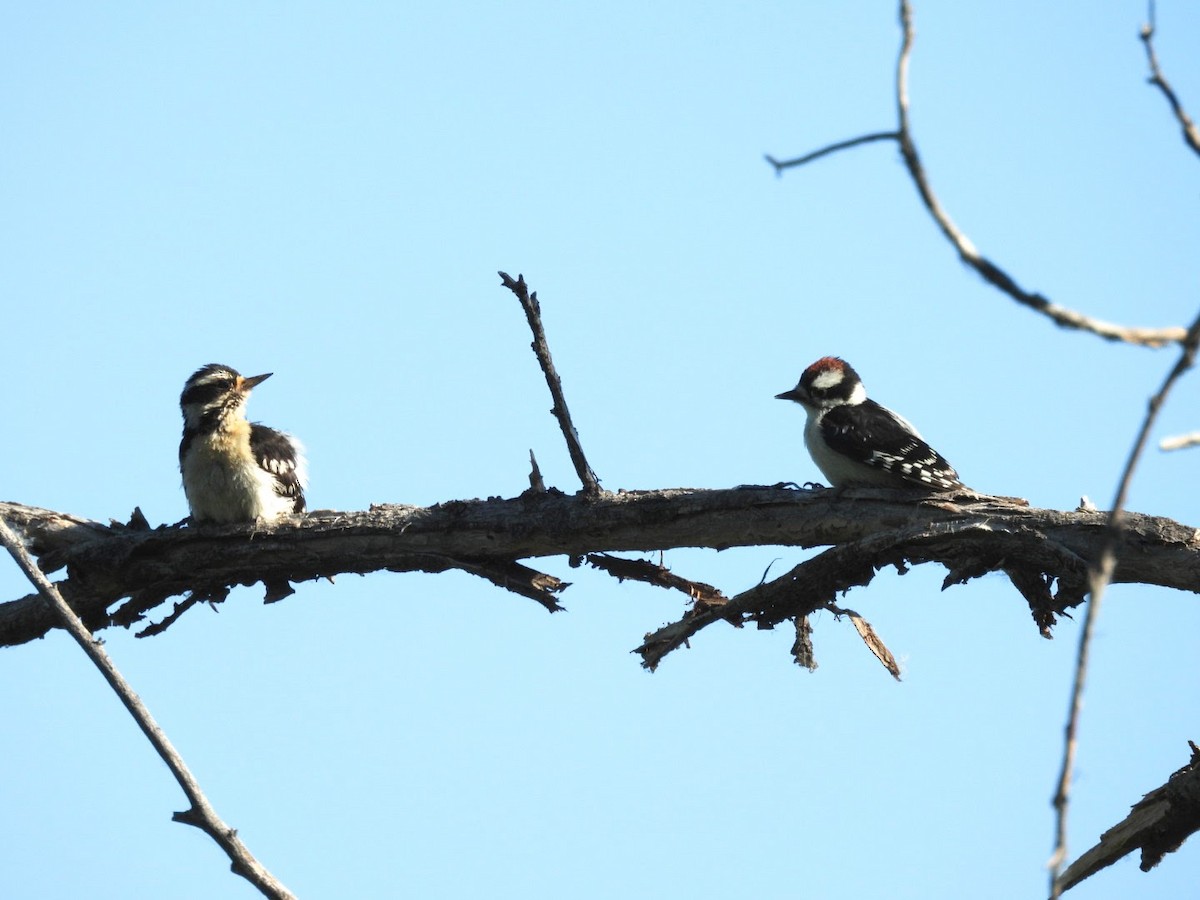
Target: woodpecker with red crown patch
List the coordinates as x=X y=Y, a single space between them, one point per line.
x=855 y=441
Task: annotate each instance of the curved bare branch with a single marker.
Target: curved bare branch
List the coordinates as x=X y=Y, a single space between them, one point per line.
x=967 y=251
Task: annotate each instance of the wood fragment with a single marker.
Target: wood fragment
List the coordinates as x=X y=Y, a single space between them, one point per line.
x=874 y=643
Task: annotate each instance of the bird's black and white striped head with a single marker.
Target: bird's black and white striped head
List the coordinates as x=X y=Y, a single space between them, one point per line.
x=827 y=383
x=215 y=394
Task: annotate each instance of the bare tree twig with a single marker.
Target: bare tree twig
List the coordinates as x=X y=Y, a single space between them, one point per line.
x=533 y=313
x=157 y=628
x=1191 y=134
x=967 y=251
x=1101 y=576
x=659 y=576
x=201 y=813
x=1181 y=442
x=832 y=148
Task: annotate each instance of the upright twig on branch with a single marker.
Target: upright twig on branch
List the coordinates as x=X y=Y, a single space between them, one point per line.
x=201 y=814
x=1099 y=578
x=1191 y=134
x=967 y=251
x=533 y=313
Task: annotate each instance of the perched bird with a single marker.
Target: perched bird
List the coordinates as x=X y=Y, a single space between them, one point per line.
x=235 y=470
x=854 y=440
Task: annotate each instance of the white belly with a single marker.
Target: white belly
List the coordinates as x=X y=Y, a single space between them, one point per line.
x=838 y=469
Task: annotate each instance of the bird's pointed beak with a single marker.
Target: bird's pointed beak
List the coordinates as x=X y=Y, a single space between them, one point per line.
x=248 y=383
x=794 y=394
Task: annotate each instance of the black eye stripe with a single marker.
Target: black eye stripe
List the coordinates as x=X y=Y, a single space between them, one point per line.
x=205 y=393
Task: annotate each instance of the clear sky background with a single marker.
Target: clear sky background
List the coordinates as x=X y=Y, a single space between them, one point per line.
x=326 y=191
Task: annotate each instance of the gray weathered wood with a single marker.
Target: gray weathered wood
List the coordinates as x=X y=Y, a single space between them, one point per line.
x=116 y=573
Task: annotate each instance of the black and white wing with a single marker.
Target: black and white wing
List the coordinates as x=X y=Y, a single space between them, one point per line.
x=877 y=437
x=282 y=456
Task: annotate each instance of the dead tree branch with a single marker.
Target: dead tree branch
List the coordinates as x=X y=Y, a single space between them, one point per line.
x=1099 y=578
x=116 y=575
x=201 y=813
x=657 y=575
x=967 y=251
x=969 y=549
x=533 y=314
x=1158 y=824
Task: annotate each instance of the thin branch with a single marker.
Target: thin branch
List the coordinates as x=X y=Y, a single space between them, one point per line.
x=659 y=576
x=1181 y=442
x=967 y=251
x=533 y=314
x=992 y=273
x=201 y=813
x=1100 y=577
x=1191 y=134
x=157 y=628
x=514 y=577
x=832 y=148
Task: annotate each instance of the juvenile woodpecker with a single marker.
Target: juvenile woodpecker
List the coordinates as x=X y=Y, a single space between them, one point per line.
x=235 y=470
x=854 y=440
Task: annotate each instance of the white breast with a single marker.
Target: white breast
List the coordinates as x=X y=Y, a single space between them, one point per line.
x=839 y=469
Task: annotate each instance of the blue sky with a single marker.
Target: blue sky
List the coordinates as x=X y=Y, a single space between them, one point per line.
x=326 y=191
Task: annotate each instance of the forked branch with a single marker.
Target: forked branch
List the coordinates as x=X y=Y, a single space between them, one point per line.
x=967 y=251
x=1099 y=577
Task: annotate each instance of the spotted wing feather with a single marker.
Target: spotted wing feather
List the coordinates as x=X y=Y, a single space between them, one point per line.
x=282 y=456
x=859 y=431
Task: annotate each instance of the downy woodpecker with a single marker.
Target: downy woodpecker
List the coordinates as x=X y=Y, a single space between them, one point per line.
x=235 y=470
x=854 y=440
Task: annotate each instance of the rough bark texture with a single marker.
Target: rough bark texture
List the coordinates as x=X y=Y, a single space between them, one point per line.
x=1158 y=824
x=116 y=573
